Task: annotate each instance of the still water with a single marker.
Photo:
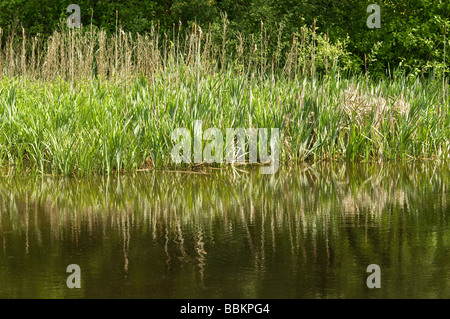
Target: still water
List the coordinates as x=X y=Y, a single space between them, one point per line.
x=308 y=232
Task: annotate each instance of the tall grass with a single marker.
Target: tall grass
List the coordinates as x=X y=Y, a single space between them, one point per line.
x=80 y=54
x=87 y=102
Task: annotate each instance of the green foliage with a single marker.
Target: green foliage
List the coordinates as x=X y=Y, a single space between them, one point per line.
x=411 y=33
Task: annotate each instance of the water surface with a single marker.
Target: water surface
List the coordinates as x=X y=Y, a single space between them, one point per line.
x=308 y=232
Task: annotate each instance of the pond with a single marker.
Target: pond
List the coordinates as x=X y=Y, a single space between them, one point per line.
x=306 y=232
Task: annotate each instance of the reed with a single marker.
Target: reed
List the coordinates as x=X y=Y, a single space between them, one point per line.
x=84 y=102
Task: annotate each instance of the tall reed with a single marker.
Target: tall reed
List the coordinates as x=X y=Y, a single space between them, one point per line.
x=85 y=102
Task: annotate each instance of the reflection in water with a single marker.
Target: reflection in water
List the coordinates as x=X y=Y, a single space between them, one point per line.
x=309 y=232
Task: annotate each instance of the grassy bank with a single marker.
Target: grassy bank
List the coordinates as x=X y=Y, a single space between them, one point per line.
x=100 y=127
x=64 y=112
